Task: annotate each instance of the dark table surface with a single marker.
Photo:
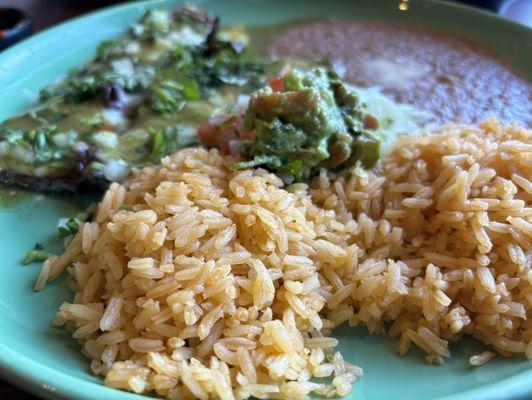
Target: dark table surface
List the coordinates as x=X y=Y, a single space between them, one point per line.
x=49 y=12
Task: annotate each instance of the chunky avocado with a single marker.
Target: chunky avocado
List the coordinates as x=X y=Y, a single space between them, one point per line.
x=310 y=121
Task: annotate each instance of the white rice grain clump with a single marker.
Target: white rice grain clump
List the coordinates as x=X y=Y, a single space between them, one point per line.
x=444 y=229
x=211 y=287
x=224 y=284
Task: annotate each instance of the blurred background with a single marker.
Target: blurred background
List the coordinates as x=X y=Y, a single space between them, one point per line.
x=48 y=12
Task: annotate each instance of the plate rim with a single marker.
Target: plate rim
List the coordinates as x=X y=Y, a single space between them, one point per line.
x=24 y=372
x=19 y=369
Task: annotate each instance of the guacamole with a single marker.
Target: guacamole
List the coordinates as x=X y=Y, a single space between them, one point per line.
x=306 y=121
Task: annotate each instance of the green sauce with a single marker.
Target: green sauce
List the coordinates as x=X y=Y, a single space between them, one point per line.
x=10 y=197
x=145 y=93
x=139 y=99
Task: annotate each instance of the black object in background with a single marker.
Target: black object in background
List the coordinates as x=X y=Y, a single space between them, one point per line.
x=15 y=25
x=42 y=13
x=45 y=13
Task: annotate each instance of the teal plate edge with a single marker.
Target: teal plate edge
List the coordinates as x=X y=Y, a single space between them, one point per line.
x=31 y=375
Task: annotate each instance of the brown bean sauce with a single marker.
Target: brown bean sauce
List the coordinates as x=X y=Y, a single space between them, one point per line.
x=456 y=79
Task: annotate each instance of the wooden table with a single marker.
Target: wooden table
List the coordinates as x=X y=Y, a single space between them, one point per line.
x=50 y=12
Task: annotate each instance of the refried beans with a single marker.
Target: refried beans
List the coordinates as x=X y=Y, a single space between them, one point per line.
x=456 y=79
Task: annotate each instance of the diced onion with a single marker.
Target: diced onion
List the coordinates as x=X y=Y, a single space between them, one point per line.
x=115 y=170
x=61 y=140
x=123 y=66
x=234 y=147
x=242 y=103
x=106 y=139
x=132 y=48
x=186 y=36
x=80 y=147
x=113 y=116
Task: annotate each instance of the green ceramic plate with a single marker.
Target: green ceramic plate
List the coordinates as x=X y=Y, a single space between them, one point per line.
x=46 y=361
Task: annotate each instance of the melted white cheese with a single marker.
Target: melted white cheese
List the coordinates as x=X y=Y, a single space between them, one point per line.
x=396 y=74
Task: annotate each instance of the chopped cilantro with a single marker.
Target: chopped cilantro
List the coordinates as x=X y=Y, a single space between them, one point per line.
x=191 y=91
x=37 y=254
x=167 y=96
x=104 y=50
x=71 y=226
x=256 y=161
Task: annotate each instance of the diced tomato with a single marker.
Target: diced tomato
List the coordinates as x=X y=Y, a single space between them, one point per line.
x=371 y=122
x=208 y=134
x=107 y=126
x=249 y=135
x=222 y=135
x=237 y=126
x=277 y=84
x=224 y=140
x=232 y=132
x=269 y=102
x=229 y=139
x=223 y=146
